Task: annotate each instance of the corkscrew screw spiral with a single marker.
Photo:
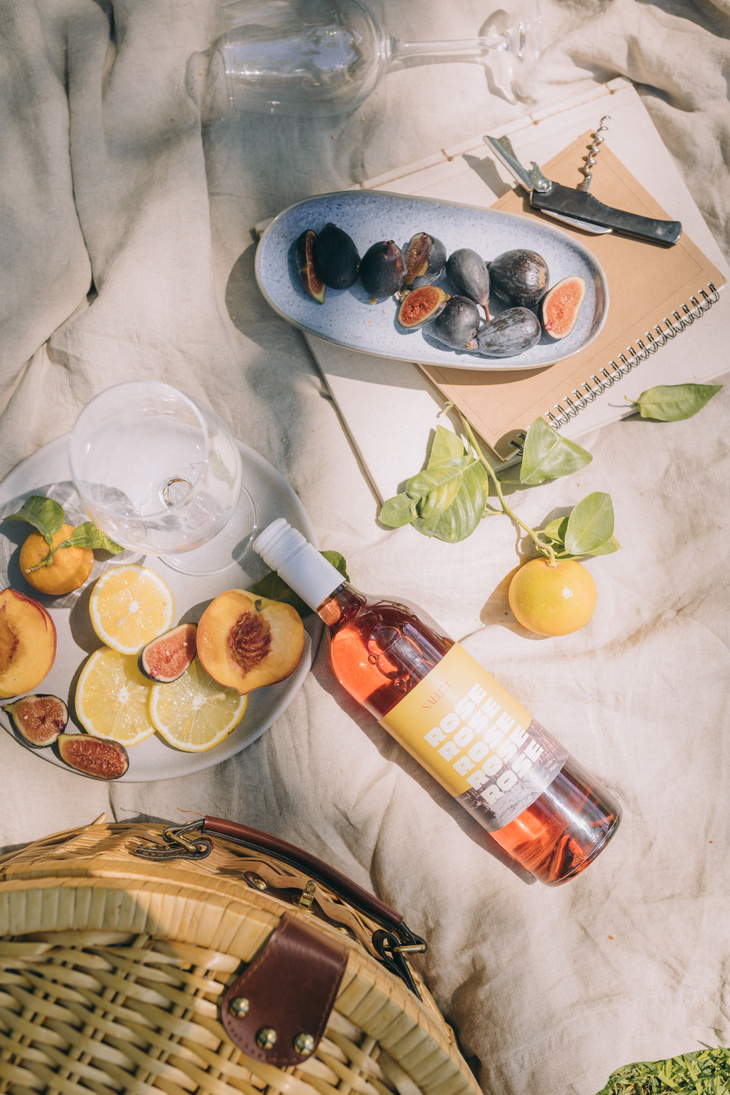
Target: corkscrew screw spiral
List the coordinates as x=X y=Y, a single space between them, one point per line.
x=593 y=151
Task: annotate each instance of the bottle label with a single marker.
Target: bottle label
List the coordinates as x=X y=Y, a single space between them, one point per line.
x=480 y=744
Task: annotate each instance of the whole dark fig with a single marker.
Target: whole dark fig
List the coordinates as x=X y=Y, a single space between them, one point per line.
x=304 y=261
x=519 y=277
x=421 y=306
x=335 y=256
x=508 y=334
x=382 y=270
x=458 y=322
x=467 y=272
x=425 y=259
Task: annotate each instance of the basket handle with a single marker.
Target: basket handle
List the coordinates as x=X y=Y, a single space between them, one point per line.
x=393 y=943
x=297 y=857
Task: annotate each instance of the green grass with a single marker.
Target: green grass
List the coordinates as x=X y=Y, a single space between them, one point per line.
x=705 y=1072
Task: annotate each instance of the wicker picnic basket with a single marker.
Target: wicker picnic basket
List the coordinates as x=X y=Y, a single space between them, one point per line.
x=209 y=958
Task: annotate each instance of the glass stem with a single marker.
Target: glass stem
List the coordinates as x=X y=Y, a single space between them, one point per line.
x=464 y=47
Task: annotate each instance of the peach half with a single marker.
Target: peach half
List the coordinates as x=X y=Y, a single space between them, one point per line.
x=245 y=641
x=27 y=643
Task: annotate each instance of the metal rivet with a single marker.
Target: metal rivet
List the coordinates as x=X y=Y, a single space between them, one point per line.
x=239 y=1006
x=256 y=882
x=304 y=1043
x=266 y=1037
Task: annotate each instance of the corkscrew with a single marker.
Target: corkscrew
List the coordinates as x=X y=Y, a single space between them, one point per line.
x=576 y=206
x=593 y=151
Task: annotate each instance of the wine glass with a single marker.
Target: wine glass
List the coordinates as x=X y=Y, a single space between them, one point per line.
x=325 y=57
x=161 y=474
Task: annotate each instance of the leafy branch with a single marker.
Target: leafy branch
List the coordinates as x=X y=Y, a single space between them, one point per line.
x=450 y=496
x=47 y=517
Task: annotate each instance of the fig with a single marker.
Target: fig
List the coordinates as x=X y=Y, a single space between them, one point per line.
x=421 y=306
x=425 y=258
x=467 y=271
x=519 y=277
x=508 y=334
x=382 y=270
x=311 y=281
x=335 y=257
x=38 y=719
x=101 y=758
x=561 y=305
x=458 y=322
x=167 y=657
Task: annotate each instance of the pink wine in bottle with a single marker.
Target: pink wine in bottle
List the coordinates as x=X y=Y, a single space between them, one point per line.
x=449 y=713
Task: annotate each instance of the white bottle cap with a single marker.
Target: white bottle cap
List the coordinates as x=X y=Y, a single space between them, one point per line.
x=298 y=562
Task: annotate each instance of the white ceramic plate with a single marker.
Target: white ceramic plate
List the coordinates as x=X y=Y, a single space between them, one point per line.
x=46 y=472
x=348 y=319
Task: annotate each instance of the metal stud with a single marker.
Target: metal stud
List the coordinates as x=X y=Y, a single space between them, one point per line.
x=256 y=882
x=304 y=1043
x=266 y=1037
x=239 y=1006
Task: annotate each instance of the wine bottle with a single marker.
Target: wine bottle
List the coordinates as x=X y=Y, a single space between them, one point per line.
x=449 y=713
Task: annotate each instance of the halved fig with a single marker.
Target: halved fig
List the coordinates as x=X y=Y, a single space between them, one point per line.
x=383 y=269
x=425 y=257
x=101 y=758
x=311 y=281
x=38 y=719
x=421 y=306
x=167 y=657
x=561 y=305
x=510 y=333
x=335 y=256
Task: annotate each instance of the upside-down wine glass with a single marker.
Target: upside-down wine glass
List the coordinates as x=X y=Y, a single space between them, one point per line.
x=161 y=474
x=325 y=57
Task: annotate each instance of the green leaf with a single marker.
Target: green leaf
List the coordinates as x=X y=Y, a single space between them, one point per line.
x=437 y=486
x=590 y=524
x=398 y=511
x=673 y=402
x=555 y=530
x=276 y=589
x=44 y=514
x=463 y=515
x=547 y=455
x=446 y=445
x=608 y=548
x=90 y=535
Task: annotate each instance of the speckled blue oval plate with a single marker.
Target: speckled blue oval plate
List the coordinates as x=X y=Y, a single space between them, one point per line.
x=349 y=319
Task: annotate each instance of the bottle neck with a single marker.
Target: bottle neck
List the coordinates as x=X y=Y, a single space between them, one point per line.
x=298 y=562
x=342 y=603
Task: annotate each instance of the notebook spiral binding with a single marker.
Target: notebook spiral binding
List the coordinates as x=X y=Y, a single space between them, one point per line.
x=572 y=404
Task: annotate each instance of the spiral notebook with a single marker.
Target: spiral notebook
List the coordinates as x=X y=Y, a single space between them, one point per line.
x=668 y=322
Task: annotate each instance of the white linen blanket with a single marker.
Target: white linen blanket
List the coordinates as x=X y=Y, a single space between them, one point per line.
x=128 y=202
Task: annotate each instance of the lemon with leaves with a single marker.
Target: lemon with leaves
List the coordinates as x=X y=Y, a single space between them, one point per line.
x=552 y=598
x=67 y=568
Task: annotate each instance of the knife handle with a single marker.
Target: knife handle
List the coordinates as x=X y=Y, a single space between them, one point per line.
x=561 y=199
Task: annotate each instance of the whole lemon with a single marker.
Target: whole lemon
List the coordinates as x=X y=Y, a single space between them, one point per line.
x=70 y=568
x=552 y=599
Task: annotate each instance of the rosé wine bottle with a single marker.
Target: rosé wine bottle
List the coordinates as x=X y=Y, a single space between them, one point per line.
x=453 y=717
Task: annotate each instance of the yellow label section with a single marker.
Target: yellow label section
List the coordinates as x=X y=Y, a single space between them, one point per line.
x=460 y=723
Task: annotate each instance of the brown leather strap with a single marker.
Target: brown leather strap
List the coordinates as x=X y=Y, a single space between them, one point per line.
x=289 y=989
x=344 y=886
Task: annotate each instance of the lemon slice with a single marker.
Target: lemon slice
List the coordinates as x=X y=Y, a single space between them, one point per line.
x=112 y=698
x=130 y=606
x=194 y=712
